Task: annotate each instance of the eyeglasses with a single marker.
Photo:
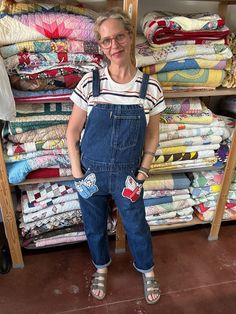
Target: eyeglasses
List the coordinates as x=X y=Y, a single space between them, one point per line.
x=120 y=38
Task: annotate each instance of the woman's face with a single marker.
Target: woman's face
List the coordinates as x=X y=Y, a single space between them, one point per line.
x=115 y=41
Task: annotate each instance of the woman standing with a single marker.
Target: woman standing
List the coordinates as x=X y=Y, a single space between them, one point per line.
x=121 y=107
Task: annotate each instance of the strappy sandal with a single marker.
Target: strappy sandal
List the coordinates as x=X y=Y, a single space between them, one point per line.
x=151 y=286
x=99 y=284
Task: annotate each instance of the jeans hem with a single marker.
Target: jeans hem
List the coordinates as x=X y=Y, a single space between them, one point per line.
x=102 y=266
x=143 y=271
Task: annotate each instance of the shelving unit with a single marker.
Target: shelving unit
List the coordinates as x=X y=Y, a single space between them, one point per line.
x=8 y=213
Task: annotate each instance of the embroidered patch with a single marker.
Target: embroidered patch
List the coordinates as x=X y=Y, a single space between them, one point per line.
x=87 y=187
x=132 y=189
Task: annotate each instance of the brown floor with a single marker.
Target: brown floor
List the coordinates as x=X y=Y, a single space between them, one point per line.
x=196 y=276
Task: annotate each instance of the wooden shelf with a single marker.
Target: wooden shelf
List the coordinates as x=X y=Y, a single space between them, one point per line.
x=193 y=222
x=220 y=91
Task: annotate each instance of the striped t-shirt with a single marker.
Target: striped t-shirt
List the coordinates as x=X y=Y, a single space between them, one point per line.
x=116 y=93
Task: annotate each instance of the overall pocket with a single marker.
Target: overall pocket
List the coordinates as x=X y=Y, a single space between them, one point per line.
x=86 y=185
x=125 y=131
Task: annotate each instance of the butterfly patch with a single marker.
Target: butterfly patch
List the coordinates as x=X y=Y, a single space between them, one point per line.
x=87 y=186
x=132 y=189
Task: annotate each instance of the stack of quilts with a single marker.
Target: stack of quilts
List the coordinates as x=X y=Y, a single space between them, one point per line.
x=50 y=215
x=35 y=144
x=47 y=47
x=167 y=199
x=190 y=136
x=184 y=51
x=230 y=77
x=205 y=188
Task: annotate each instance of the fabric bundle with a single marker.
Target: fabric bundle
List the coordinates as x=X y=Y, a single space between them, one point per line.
x=205 y=188
x=191 y=136
x=184 y=51
x=47 y=47
x=50 y=215
x=167 y=199
x=35 y=139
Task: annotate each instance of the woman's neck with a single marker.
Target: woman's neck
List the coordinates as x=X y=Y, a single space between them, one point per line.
x=122 y=74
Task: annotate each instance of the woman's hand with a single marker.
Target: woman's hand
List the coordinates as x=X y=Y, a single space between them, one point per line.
x=141 y=176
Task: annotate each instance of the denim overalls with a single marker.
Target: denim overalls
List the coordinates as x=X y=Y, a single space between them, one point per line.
x=111 y=151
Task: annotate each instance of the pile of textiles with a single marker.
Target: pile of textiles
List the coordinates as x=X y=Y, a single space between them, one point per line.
x=34 y=142
x=167 y=199
x=47 y=47
x=50 y=215
x=191 y=136
x=205 y=188
x=184 y=51
x=230 y=78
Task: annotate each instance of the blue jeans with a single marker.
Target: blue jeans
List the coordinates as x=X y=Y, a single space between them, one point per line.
x=95 y=213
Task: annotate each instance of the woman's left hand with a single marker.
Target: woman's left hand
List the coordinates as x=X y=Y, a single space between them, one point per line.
x=141 y=176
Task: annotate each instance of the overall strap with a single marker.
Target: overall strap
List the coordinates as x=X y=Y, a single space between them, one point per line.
x=144 y=86
x=96 y=83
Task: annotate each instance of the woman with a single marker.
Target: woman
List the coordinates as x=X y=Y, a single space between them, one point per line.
x=122 y=109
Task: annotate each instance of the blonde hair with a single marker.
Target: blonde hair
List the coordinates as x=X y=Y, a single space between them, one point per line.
x=114 y=13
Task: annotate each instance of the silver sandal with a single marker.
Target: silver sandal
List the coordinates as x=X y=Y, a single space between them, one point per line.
x=151 y=286
x=99 y=284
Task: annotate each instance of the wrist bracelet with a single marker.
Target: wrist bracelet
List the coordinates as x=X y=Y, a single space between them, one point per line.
x=144 y=169
x=149 y=153
x=144 y=173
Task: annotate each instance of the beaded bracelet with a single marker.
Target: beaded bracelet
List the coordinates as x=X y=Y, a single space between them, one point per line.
x=144 y=173
x=149 y=153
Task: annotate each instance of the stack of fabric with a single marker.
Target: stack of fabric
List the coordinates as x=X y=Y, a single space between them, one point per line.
x=184 y=51
x=167 y=199
x=35 y=144
x=50 y=215
x=205 y=188
x=47 y=47
x=190 y=136
x=206 y=185
x=230 y=78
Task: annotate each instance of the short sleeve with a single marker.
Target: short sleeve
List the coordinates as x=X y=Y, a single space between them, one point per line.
x=81 y=92
x=155 y=97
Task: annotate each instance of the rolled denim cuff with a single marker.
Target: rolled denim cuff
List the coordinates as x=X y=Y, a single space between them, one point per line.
x=102 y=266
x=143 y=271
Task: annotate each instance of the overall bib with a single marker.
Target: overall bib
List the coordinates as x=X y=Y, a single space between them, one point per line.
x=111 y=150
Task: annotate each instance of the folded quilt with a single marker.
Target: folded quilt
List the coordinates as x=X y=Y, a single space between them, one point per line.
x=162 y=193
x=156 y=24
x=168 y=207
x=49 y=133
x=202 y=191
x=17 y=171
x=175 y=181
x=209 y=215
x=206 y=178
x=50 y=45
x=27 y=60
x=51 y=221
x=67 y=81
x=185 y=149
x=207 y=161
x=162 y=159
x=199 y=131
x=190 y=105
x=165 y=199
x=14 y=7
x=204 y=117
x=28 y=208
x=28 y=147
x=184 y=64
x=189 y=141
x=24 y=156
x=52 y=172
x=41 y=192
x=37 y=26
x=154 y=221
x=42 y=96
x=51 y=211
x=147 y=55
x=191 y=77
x=216 y=122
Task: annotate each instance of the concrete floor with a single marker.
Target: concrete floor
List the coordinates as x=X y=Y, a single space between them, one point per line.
x=196 y=276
